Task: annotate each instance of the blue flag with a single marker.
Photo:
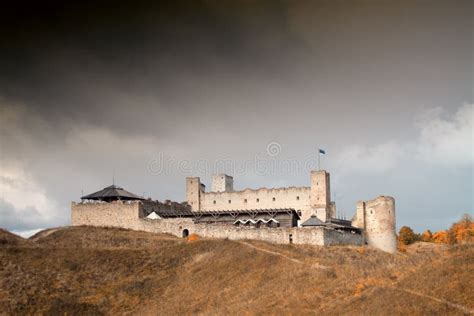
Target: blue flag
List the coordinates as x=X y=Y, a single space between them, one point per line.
x=322 y=151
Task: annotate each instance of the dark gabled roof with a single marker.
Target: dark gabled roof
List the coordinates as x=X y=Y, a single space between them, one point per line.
x=112 y=193
x=174 y=209
x=340 y=222
x=335 y=223
x=167 y=210
x=313 y=221
x=249 y=212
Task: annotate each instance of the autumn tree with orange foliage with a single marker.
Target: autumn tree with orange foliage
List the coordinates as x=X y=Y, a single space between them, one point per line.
x=427 y=236
x=463 y=231
x=406 y=236
x=460 y=232
x=440 y=237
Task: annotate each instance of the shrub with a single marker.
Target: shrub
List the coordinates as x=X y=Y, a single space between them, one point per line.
x=406 y=235
x=460 y=232
x=193 y=237
x=401 y=246
x=427 y=236
x=440 y=237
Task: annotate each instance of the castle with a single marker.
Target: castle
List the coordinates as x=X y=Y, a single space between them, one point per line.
x=300 y=215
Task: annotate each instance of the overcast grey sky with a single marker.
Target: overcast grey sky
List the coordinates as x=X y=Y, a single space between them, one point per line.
x=160 y=91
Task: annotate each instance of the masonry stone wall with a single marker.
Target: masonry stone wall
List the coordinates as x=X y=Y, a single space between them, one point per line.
x=129 y=215
x=222 y=183
x=359 y=217
x=380 y=223
x=116 y=214
x=377 y=218
x=293 y=197
x=312 y=200
x=193 y=193
x=337 y=237
x=321 y=194
x=313 y=236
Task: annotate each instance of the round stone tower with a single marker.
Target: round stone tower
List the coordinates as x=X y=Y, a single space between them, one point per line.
x=380 y=223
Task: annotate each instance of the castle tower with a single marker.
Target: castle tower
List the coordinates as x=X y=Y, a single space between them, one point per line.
x=359 y=218
x=194 y=188
x=377 y=218
x=320 y=197
x=222 y=183
x=332 y=212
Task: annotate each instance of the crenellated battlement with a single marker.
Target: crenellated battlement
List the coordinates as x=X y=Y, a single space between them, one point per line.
x=309 y=200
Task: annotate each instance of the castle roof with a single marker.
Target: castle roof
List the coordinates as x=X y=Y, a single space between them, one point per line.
x=313 y=221
x=340 y=222
x=112 y=193
x=252 y=212
x=166 y=210
x=285 y=217
x=334 y=223
x=183 y=210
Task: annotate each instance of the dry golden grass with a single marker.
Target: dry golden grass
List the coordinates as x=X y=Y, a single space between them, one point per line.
x=85 y=270
x=8 y=239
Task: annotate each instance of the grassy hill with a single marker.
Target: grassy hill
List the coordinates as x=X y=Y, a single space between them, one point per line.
x=86 y=270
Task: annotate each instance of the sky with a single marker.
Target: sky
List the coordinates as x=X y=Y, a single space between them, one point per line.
x=149 y=92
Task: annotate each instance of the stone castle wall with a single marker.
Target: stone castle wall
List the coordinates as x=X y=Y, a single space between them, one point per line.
x=128 y=215
x=312 y=200
x=380 y=223
x=222 y=183
x=377 y=218
x=116 y=214
x=294 y=197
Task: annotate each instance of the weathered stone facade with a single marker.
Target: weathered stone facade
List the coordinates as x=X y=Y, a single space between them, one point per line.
x=377 y=218
x=373 y=223
x=315 y=199
x=129 y=215
x=222 y=183
x=116 y=214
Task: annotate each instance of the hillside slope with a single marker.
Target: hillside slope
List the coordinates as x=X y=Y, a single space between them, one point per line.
x=85 y=270
x=8 y=239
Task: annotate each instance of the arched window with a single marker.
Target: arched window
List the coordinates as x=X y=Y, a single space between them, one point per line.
x=258 y=200
x=273 y=199
x=214 y=202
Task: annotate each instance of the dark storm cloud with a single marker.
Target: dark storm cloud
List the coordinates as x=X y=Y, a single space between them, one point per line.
x=88 y=86
x=69 y=59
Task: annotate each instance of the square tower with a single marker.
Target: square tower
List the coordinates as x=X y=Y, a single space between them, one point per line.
x=320 y=198
x=222 y=183
x=194 y=189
